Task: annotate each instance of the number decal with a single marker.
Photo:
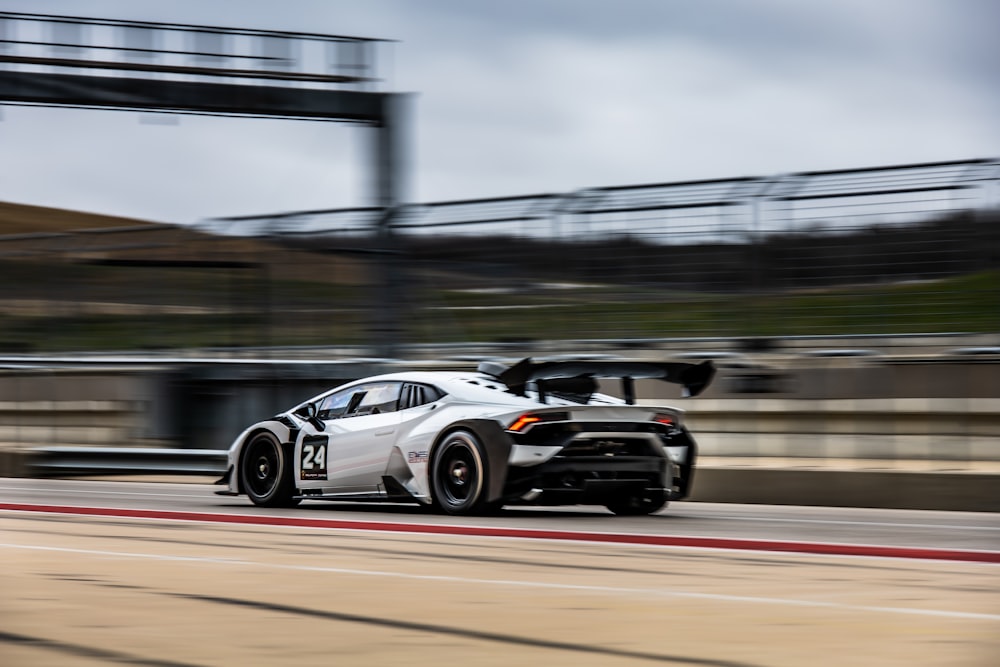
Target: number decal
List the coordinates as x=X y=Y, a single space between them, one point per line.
x=312 y=461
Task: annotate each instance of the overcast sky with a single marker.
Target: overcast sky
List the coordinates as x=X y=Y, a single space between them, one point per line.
x=532 y=96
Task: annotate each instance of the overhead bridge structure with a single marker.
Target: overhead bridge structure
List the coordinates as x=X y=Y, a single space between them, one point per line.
x=63 y=61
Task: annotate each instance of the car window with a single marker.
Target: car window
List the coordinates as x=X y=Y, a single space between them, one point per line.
x=366 y=399
x=376 y=398
x=335 y=404
x=419 y=394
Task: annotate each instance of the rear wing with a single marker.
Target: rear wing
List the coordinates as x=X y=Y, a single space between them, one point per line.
x=579 y=377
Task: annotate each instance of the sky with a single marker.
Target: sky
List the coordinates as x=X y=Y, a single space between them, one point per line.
x=536 y=96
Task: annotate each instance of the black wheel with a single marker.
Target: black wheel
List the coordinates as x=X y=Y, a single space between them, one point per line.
x=636 y=505
x=458 y=475
x=266 y=472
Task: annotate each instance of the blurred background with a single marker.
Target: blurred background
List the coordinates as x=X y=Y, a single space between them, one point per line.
x=882 y=253
x=853 y=311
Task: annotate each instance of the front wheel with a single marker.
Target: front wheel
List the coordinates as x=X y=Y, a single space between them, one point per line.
x=637 y=505
x=266 y=472
x=458 y=475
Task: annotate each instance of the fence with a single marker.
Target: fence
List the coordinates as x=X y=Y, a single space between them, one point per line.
x=883 y=251
x=912 y=248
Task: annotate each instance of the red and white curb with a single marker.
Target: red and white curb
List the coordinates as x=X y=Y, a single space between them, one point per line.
x=724 y=543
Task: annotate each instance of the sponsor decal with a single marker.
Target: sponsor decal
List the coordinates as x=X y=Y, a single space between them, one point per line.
x=418 y=457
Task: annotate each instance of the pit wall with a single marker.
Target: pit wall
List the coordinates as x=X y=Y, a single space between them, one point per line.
x=921 y=434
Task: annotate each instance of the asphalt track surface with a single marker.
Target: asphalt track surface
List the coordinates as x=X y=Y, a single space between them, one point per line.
x=95 y=573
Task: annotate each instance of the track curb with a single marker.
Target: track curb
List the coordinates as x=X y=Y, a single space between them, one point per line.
x=676 y=541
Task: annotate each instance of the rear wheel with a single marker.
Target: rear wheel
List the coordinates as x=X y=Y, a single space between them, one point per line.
x=266 y=473
x=458 y=475
x=638 y=504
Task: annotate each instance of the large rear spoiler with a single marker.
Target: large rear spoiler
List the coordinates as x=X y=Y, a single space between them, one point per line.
x=580 y=375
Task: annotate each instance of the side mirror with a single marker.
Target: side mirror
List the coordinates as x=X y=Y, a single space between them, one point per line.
x=307 y=411
x=310 y=413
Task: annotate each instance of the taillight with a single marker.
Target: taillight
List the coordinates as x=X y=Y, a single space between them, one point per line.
x=668 y=420
x=527 y=419
x=522 y=422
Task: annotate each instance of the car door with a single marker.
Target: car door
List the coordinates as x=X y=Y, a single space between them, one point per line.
x=349 y=455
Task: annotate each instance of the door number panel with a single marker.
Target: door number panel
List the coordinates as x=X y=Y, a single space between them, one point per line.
x=312 y=459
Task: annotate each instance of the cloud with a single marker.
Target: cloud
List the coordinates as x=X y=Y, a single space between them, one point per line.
x=553 y=95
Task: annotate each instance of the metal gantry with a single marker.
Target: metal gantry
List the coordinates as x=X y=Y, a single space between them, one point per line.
x=77 y=62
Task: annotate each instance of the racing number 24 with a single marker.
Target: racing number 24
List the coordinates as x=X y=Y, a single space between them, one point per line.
x=313 y=458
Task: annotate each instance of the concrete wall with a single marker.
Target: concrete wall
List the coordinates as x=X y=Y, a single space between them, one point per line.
x=827 y=417
x=890 y=489
x=829 y=410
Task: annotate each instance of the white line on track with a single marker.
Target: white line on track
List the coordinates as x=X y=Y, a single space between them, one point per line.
x=525 y=584
x=841 y=522
x=417 y=528
x=727 y=517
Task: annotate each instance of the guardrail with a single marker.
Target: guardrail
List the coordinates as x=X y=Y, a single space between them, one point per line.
x=76 y=461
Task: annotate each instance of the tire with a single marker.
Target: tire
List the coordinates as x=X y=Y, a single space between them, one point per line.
x=459 y=474
x=637 y=505
x=266 y=472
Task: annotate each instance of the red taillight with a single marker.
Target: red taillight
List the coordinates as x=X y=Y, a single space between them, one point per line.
x=529 y=418
x=665 y=419
x=522 y=422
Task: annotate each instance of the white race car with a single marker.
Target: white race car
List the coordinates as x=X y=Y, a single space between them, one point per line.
x=533 y=433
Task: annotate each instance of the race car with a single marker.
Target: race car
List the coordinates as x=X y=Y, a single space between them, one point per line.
x=535 y=432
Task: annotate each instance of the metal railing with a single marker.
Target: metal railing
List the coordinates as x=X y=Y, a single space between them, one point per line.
x=898 y=249
x=89 y=461
x=889 y=251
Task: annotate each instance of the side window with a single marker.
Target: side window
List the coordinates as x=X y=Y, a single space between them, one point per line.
x=335 y=404
x=419 y=394
x=366 y=399
x=431 y=394
x=375 y=398
x=371 y=399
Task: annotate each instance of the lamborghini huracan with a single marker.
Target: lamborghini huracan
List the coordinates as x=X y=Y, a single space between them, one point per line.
x=535 y=432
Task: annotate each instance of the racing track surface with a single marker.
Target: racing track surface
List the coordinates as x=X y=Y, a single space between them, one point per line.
x=79 y=589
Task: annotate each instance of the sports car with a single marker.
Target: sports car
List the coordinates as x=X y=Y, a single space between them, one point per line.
x=536 y=432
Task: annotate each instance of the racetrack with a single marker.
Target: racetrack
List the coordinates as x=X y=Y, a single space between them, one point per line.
x=86 y=590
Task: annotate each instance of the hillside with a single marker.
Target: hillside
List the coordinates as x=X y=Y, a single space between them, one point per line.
x=28 y=219
x=25 y=235
x=80 y=281
x=71 y=280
